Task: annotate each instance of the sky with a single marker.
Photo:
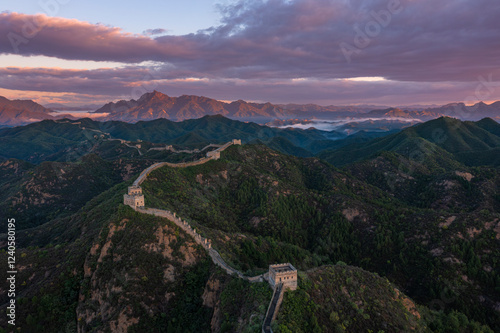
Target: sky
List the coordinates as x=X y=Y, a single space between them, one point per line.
x=327 y=52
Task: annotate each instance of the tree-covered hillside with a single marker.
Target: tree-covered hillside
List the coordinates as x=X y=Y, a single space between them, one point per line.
x=472 y=143
x=262 y=207
x=68 y=140
x=405 y=236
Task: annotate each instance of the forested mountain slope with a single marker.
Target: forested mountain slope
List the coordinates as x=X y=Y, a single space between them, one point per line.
x=260 y=207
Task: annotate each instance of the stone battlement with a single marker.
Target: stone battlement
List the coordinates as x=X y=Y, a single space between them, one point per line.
x=134 y=198
x=283 y=273
x=212 y=155
x=282 y=277
x=134 y=190
x=134 y=201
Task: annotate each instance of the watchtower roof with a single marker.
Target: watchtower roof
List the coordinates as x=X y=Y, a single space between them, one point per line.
x=282 y=268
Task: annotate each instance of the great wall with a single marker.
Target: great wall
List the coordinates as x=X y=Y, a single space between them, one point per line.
x=280 y=277
x=172 y=149
x=138 y=146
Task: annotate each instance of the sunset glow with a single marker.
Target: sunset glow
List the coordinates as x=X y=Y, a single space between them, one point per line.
x=303 y=51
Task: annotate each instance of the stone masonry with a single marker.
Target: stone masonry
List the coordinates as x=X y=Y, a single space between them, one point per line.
x=283 y=273
x=134 y=198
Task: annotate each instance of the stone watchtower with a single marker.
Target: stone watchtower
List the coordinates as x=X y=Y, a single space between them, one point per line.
x=134 y=198
x=283 y=273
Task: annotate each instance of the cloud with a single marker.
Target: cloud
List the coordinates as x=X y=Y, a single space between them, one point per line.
x=152 y=32
x=133 y=81
x=427 y=41
x=77 y=40
x=422 y=44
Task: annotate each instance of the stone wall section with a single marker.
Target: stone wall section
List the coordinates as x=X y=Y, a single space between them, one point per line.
x=135 y=199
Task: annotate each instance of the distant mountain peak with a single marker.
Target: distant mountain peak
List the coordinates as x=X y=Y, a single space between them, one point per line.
x=394 y=110
x=153 y=95
x=447 y=119
x=21 y=112
x=453 y=105
x=240 y=101
x=487 y=120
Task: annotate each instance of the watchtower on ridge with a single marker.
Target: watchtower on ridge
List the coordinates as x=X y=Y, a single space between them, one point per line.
x=134 y=198
x=283 y=273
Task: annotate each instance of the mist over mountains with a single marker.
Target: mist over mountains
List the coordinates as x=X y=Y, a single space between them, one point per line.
x=156 y=105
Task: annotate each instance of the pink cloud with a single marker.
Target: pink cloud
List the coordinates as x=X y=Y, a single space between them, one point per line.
x=445 y=45
x=77 y=40
x=426 y=41
x=131 y=82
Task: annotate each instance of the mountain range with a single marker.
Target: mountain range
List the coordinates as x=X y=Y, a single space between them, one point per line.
x=472 y=143
x=19 y=112
x=156 y=105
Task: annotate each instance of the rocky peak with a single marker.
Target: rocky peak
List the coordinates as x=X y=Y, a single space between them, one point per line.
x=154 y=95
